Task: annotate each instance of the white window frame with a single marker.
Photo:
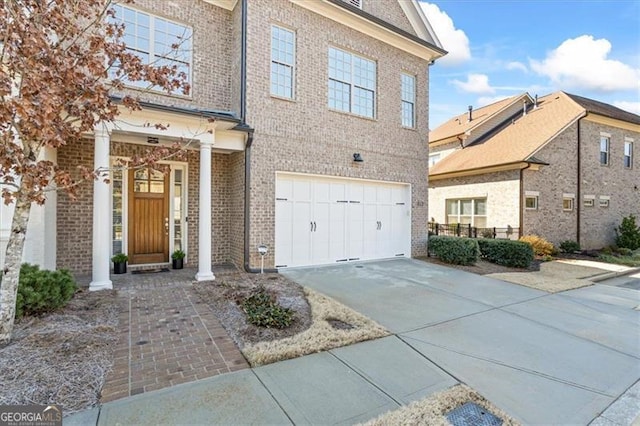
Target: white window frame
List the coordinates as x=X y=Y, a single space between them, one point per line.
x=603 y=202
x=434 y=158
x=281 y=60
x=567 y=204
x=535 y=202
x=408 y=100
x=473 y=214
x=589 y=202
x=607 y=141
x=628 y=153
x=155 y=58
x=348 y=79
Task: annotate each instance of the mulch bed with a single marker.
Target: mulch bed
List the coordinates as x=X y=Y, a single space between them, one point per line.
x=225 y=294
x=482 y=267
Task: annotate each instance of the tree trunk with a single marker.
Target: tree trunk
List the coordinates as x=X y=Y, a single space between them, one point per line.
x=12 y=262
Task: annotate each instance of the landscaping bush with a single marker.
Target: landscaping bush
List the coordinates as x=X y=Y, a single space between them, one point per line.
x=541 y=247
x=624 y=251
x=569 y=246
x=43 y=291
x=263 y=310
x=455 y=250
x=628 y=233
x=515 y=254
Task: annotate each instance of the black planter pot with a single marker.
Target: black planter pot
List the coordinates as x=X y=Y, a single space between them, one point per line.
x=120 y=268
x=178 y=263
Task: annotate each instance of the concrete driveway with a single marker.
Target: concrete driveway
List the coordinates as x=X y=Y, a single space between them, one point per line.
x=543 y=358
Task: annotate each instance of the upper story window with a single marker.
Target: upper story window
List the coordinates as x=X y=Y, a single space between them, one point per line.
x=433 y=159
x=282 y=62
x=628 y=153
x=156 y=40
x=604 y=150
x=352 y=83
x=408 y=101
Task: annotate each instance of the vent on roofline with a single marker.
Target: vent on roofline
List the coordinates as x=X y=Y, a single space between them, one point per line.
x=356 y=3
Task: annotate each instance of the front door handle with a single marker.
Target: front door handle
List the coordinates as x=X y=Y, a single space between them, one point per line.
x=166 y=226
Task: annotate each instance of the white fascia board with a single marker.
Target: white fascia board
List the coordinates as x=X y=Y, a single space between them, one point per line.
x=419 y=21
x=225 y=4
x=369 y=28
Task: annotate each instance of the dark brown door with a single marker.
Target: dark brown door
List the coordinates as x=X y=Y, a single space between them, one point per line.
x=148 y=216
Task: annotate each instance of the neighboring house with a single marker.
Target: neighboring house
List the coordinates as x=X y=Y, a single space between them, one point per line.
x=317 y=149
x=561 y=167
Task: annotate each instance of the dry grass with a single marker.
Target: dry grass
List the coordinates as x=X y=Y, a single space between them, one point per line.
x=432 y=410
x=320 y=336
x=62 y=358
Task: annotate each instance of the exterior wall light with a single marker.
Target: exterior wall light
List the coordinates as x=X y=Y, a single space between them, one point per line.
x=357 y=158
x=263 y=250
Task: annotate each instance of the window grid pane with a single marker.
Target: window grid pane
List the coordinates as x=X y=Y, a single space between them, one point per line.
x=628 y=154
x=352 y=82
x=157 y=47
x=282 y=62
x=408 y=95
x=604 y=150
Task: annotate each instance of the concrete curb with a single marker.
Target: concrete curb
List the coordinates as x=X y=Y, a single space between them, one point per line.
x=614 y=274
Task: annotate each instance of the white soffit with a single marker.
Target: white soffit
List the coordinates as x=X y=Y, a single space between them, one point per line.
x=365 y=26
x=225 y=4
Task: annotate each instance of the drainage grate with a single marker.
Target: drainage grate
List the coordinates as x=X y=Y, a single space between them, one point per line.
x=471 y=414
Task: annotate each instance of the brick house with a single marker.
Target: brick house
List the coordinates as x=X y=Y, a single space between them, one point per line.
x=561 y=167
x=317 y=149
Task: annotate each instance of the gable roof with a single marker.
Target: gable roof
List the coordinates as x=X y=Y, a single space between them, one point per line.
x=517 y=143
x=606 y=110
x=460 y=124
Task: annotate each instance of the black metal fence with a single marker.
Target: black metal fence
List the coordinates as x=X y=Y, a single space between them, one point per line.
x=462 y=230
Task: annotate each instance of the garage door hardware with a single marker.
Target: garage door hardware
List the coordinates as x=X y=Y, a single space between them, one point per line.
x=399 y=204
x=379 y=225
x=281 y=199
x=313 y=226
x=355 y=202
x=342 y=201
x=354 y=258
x=342 y=260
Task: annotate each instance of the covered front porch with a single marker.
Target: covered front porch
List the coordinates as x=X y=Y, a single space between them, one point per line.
x=147 y=214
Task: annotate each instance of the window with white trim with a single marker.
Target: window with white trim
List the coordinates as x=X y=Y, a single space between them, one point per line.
x=283 y=58
x=604 y=150
x=588 y=202
x=567 y=204
x=433 y=159
x=628 y=154
x=352 y=83
x=155 y=40
x=471 y=211
x=531 y=202
x=408 y=101
x=603 y=202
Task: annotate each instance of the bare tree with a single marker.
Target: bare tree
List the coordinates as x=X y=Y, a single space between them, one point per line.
x=60 y=61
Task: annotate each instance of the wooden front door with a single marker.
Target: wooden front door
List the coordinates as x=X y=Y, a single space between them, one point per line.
x=148 y=216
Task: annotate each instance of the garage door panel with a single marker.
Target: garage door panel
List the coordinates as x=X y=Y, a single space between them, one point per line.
x=325 y=220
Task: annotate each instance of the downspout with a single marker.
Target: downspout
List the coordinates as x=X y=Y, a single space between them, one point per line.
x=247 y=150
x=578 y=200
x=521 y=225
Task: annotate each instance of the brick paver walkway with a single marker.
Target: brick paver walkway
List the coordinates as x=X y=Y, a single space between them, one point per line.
x=168 y=336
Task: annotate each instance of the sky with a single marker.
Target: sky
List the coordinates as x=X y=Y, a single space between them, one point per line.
x=503 y=48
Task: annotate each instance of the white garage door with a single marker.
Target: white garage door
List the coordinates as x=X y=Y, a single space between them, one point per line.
x=326 y=220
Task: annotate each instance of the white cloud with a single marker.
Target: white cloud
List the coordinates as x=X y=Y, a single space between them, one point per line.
x=453 y=40
x=476 y=83
x=633 y=107
x=515 y=65
x=582 y=63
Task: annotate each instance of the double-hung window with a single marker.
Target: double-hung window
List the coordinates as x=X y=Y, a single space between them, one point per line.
x=352 y=83
x=604 y=150
x=408 y=101
x=628 y=154
x=155 y=40
x=282 y=62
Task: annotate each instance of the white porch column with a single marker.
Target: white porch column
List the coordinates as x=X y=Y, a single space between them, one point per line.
x=204 y=214
x=101 y=225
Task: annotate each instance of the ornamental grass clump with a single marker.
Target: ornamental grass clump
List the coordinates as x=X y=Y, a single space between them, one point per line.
x=541 y=247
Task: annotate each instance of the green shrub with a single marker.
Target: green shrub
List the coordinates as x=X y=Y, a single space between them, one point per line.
x=178 y=254
x=515 y=254
x=624 y=251
x=569 y=246
x=119 y=258
x=43 y=291
x=262 y=310
x=541 y=247
x=628 y=233
x=455 y=250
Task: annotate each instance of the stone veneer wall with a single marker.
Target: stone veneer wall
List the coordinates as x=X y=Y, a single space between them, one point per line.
x=304 y=136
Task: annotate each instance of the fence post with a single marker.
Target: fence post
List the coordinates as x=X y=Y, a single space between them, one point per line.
x=469 y=230
x=457 y=229
x=494 y=233
x=437 y=226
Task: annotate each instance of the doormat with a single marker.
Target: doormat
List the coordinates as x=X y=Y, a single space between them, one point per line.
x=150 y=271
